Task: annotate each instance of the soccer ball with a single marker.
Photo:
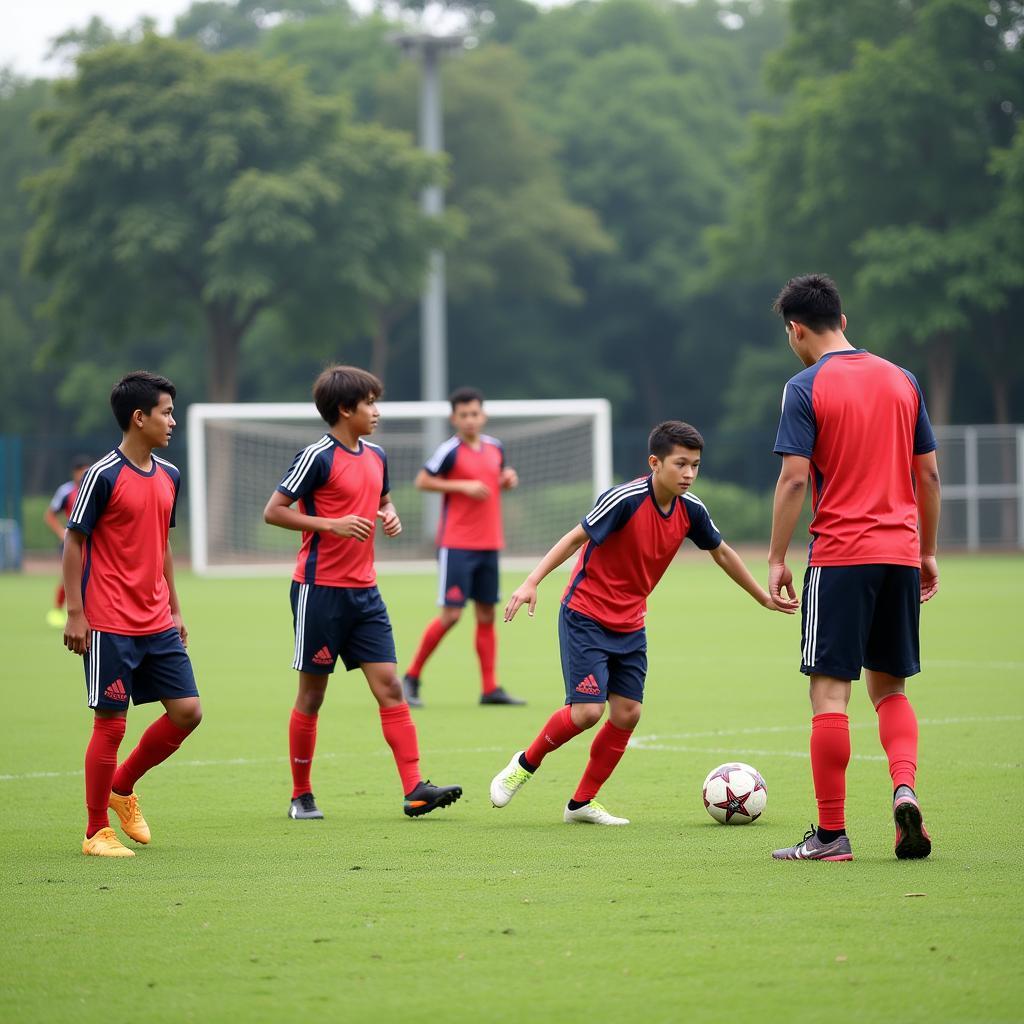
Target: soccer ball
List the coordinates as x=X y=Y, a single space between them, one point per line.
x=735 y=793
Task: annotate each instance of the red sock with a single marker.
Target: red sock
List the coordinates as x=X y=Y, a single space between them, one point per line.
x=156 y=744
x=897 y=729
x=431 y=638
x=559 y=729
x=100 y=765
x=605 y=753
x=830 y=754
x=60 y=596
x=486 y=651
x=400 y=733
x=301 y=744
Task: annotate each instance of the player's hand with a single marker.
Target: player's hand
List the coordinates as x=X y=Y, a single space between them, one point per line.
x=780 y=587
x=476 y=489
x=77 y=638
x=526 y=593
x=389 y=521
x=180 y=627
x=509 y=478
x=355 y=527
x=929 y=578
x=786 y=609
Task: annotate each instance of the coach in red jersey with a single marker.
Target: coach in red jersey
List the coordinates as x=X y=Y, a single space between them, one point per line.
x=625 y=543
x=469 y=472
x=123 y=610
x=341 y=485
x=856 y=425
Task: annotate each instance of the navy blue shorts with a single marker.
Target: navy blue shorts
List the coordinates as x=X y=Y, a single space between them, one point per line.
x=597 y=661
x=861 y=616
x=346 y=622
x=466 y=575
x=144 y=668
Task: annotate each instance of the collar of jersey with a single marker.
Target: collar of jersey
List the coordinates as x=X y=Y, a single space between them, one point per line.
x=345 y=448
x=842 y=352
x=654 y=500
x=131 y=465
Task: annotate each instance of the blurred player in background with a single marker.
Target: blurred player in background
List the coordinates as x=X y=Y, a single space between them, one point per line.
x=469 y=473
x=61 y=503
x=123 y=610
x=628 y=539
x=341 y=485
x=857 y=425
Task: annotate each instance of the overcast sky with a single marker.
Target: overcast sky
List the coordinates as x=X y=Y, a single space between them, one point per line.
x=29 y=25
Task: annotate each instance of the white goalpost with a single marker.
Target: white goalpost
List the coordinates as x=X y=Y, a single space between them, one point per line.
x=238 y=453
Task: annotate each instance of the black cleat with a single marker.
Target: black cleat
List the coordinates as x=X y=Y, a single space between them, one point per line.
x=427 y=797
x=499 y=696
x=912 y=839
x=304 y=806
x=411 y=691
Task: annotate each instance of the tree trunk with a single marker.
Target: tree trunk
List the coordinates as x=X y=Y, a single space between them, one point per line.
x=940 y=360
x=223 y=343
x=380 y=343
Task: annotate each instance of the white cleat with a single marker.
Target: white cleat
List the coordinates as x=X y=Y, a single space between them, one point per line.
x=592 y=814
x=509 y=781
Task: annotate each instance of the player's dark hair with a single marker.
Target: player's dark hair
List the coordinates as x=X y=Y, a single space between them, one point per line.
x=81 y=462
x=344 y=387
x=674 y=434
x=139 y=389
x=812 y=300
x=462 y=396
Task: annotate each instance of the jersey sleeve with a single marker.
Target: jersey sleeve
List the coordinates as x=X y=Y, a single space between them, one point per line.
x=703 y=531
x=93 y=496
x=797 y=427
x=611 y=512
x=308 y=471
x=176 y=477
x=385 y=487
x=443 y=459
x=924 y=436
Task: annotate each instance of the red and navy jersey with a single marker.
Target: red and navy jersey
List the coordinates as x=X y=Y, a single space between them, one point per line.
x=125 y=514
x=860 y=420
x=331 y=480
x=466 y=522
x=631 y=545
x=63 y=499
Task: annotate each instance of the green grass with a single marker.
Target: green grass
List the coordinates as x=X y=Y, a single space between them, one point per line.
x=474 y=914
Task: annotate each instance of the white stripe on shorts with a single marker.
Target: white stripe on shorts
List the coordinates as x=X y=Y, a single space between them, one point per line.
x=94 y=668
x=442 y=574
x=811 y=633
x=300 y=624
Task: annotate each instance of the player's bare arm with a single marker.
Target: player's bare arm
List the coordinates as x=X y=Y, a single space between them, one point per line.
x=735 y=568
x=476 y=489
x=51 y=520
x=526 y=592
x=789 y=500
x=76 y=629
x=388 y=515
x=929 y=502
x=279 y=512
x=172 y=592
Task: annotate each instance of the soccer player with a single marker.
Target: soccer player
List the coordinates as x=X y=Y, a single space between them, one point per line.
x=123 y=609
x=469 y=472
x=61 y=503
x=857 y=425
x=341 y=485
x=628 y=540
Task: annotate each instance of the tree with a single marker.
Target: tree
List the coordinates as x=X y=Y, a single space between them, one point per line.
x=204 y=189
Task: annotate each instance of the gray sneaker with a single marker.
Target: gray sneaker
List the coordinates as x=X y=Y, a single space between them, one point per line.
x=304 y=806
x=812 y=848
x=411 y=691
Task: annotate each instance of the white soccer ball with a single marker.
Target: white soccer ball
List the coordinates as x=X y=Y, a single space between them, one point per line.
x=735 y=793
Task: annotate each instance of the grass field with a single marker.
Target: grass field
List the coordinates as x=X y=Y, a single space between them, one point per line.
x=474 y=914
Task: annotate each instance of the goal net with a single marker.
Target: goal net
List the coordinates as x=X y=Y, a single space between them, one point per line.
x=238 y=454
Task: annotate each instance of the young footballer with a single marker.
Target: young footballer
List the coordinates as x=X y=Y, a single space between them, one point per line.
x=628 y=540
x=341 y=486
x=61 y=504
x=857 y=426
x=123 y=610
x=469 y=472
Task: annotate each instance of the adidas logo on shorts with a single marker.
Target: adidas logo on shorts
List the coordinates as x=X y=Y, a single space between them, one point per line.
x=116 y=691
x=323 y=657
x=589 y=687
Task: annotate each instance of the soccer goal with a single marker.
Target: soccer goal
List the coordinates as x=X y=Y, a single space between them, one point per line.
x=561 y=449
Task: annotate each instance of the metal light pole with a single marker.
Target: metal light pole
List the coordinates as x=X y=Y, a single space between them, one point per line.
x=433 y=321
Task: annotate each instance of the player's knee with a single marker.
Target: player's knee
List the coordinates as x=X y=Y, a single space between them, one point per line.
x=389 y=691
x=586 y=716
x=449 y=616
x=187 y=717
x=485 y=614
x=627 y=718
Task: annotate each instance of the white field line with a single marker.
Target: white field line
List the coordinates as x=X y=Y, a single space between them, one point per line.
x=650 y=743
